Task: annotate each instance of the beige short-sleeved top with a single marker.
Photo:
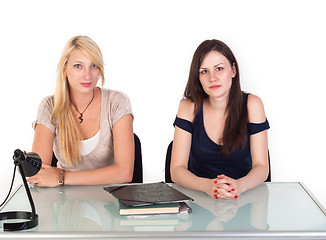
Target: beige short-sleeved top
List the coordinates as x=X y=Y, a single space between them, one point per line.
x=114 y=105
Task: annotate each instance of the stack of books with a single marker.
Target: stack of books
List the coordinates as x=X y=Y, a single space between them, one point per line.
x=150 y=199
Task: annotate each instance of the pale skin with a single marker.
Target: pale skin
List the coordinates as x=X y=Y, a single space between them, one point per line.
x=215 y=75
x=83 y=76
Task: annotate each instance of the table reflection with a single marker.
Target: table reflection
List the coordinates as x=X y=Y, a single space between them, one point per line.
x=248 y=212
x=70 y=209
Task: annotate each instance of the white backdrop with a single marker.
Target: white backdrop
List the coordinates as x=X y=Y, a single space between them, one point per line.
x=147 y=47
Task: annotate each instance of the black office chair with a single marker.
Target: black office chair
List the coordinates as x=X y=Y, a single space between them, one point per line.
x=269 y=177
x=138 y=164
x=168 y=164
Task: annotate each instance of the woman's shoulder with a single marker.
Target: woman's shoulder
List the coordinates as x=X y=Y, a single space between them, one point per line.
x=186 y=110
x=254 y=99
x=49 y=98
x=256 y=112
x=113 y=94
x=47 y=102
x=116 y=101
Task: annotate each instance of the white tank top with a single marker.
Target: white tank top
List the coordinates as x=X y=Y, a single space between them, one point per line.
x=88 y=145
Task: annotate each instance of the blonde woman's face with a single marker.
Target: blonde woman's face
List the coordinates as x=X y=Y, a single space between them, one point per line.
x=81 y=72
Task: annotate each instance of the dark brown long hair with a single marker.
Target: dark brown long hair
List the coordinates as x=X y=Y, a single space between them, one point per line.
x=234 y=134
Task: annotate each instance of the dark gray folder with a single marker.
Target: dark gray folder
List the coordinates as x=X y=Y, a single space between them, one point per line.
x=146 y=194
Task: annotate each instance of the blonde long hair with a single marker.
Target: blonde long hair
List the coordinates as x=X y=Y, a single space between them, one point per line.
x=63 y=112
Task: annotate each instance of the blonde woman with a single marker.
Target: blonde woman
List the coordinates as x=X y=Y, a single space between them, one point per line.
x=89 y=129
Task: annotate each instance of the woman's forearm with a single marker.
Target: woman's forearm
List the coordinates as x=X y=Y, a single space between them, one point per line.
x=107 y=175
x=255 y=177
x=187 y=179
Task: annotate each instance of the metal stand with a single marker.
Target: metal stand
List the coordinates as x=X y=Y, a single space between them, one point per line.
x=32 y=217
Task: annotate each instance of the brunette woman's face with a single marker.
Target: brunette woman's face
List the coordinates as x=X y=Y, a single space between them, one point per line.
x=81 y=72
x=215 y=74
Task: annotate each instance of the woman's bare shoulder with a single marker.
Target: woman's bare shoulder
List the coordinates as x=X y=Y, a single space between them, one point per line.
x=186 y=109
x=256 y=112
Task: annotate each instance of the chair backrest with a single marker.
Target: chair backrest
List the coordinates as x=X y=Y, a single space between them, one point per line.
x=168 y=164
x=269 y=177
x=54 y=161
x=138 y=163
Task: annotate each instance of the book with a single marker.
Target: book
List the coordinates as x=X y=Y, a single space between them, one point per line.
x=133 y=195
x=149 y=222
x=152 y=211
x=149 y=209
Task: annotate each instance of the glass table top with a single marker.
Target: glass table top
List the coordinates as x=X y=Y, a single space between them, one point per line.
x=269 y=208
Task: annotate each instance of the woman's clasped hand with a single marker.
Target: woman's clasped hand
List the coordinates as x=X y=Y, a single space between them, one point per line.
x=224 y=188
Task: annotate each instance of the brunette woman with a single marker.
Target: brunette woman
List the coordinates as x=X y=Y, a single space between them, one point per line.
x=220 y=140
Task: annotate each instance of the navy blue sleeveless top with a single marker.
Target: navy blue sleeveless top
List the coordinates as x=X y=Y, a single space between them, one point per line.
x=205 y=159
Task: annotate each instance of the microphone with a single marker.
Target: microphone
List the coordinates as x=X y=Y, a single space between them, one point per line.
x=30 y=162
